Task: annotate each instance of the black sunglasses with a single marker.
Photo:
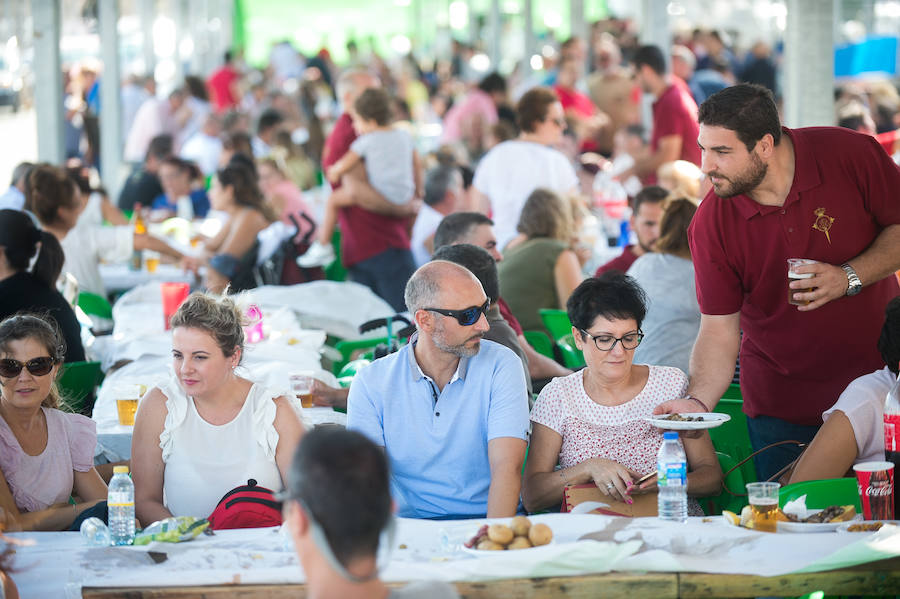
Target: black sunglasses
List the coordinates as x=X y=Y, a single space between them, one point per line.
x=466 y=317
x=38 y=366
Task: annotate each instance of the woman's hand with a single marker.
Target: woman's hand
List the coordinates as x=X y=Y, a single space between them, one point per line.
x=191 y=263
x=612 y=478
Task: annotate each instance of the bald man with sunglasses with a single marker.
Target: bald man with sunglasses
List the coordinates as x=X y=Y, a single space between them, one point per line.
x=450 y=409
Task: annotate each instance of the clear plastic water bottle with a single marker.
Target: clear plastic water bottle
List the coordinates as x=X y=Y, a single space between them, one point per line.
x=671 y=467
x=121 y=507
x=95 y=533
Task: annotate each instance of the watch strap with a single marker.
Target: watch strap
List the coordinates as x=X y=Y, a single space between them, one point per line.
x=854 y=285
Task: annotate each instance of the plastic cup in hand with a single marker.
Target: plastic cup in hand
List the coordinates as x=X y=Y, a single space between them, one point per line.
x=875 y=481
x=173 y=294
x=793 y=276
x=763 y=499
x=301 y=385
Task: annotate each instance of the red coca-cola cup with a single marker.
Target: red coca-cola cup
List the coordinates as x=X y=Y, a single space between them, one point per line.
x=173 y=294
x=876 y=489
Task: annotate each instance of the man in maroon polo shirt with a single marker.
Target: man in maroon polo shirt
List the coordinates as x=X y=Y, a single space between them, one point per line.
x=374 y=232
x=823 y=193
x=645 y=217
x=675 y=128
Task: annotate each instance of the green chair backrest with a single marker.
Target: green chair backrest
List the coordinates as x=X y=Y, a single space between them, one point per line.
x=77 y=384
x=336 y=271
x=571 y=355
x=540 y=342
x=823 y=493
x=94 y=305
x=732 y=437
x=734 y=481
x=345 y=376
x=733 y=392
x=349 y=349
x=557 y=322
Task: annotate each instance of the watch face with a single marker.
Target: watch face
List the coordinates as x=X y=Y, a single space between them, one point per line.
x=854 y=288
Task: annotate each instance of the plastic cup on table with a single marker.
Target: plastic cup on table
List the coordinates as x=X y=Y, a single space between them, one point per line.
x=875 y=482
x=173 y=294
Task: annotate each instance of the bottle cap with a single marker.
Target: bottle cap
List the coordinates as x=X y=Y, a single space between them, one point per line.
x=120 y=469
x=670 y=435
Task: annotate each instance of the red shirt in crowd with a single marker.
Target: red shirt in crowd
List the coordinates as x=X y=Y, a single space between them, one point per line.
x=675 y=113
x=219 y=84
x=622 y=262
x=888 y=140
x=794 y=364
x=364 y=234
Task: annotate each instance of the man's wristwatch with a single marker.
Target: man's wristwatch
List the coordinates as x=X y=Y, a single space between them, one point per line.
x=854 y=285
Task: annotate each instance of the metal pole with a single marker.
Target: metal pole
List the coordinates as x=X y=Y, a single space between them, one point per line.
x=809 y=39
x=148 y=16
x=110 y=99
x=530 y=41
x=47 y=80
x=180 y=31
x=495 y=31
x=576 y=20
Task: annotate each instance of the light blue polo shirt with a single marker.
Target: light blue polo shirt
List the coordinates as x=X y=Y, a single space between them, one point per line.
x=437 y=443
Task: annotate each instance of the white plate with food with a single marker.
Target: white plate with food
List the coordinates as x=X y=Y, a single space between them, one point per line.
x=520 y=534
x=866 y=527
x=688 y=422
x=834 y=516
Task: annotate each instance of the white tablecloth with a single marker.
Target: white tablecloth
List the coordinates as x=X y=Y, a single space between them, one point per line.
x=58 y=564
x=118 y=277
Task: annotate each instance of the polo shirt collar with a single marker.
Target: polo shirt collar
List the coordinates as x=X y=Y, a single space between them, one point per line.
x=416 y=370
x=806 y=176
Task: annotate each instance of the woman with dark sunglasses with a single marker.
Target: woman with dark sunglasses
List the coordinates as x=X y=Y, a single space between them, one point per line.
x=24 y=289
x=46 y=455
x=592 y=423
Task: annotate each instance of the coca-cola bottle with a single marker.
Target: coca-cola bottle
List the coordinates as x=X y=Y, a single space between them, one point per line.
x=892 y=433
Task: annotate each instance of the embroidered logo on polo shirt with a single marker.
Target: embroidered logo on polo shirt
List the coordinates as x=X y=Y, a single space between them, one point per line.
x=823 y=222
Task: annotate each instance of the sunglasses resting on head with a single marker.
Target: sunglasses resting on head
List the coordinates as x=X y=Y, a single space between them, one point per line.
x=466 y=317
x=36 y=366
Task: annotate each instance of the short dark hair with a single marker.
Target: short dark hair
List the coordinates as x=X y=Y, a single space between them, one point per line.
x=21 y=172
x=342 y=478
x=477 y=260
x=651 y=194
x=651 y=56
x=48 y=188
x=458 y=225
x=889 y=340
x=438 y=181
x=747 y=109
x=533 y=106
x=268 y=119
x=494 y=82
x=160 y=147
x=614 y=295
x=374 y=104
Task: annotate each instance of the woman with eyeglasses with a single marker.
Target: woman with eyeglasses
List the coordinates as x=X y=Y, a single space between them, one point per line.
x=591 y=423
x=46 y=455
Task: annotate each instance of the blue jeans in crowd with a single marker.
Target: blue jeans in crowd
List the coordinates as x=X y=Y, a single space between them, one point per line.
x=386 y=274
x=765 y=430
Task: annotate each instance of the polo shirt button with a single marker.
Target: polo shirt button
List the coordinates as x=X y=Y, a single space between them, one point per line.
x=437 y=413
x=790 y=229
x=782 y=211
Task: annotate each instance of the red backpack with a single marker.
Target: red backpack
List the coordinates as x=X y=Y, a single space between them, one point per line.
x=247 y=506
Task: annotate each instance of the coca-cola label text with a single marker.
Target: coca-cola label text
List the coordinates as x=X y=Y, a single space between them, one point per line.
x=876 y=493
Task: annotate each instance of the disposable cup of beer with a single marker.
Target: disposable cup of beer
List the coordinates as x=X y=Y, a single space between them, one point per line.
x=763 y=499
x=875 y=481
x=151 y=261
x=301 y=385
x=793 y=276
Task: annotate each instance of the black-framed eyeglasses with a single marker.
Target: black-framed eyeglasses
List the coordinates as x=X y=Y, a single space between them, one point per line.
x=466 y=317
x=37 y=366
x=608 y=342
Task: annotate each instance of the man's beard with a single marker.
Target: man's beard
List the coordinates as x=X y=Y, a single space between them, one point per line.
x=460 y=351
x=744 y=182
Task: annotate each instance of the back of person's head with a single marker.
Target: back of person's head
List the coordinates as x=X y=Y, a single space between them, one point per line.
x=533 y=106
x=350 y=82
x=456 y=227
x=677 y=214
x=493 y=83
x=614 y=296
x=243 y=181
x=21 y=172
x=227 y=56
x=651 y=56
x=244 y=161
x=196 y=87
x=477 y=261
x=340 y=479
x=374 y=104
x=160 y=147
x=889 y=341
x=48 y=190
x=20 y=240
x=747 y=109
x=238 y=142
x=219 y=317
x=651 y=194
x=42 y=329
x=545 y=214
x=184 y=167
x=439 y=180
x=269 y=119
x=680 y=177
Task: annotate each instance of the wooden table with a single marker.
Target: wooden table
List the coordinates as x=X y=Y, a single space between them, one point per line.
x=876 y=578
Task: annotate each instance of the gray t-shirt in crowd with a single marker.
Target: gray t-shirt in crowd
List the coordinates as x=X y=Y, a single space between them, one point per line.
x=389 y=163
x=426 y=589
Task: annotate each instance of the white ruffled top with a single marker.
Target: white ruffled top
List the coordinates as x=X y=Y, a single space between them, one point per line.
x=204 y=461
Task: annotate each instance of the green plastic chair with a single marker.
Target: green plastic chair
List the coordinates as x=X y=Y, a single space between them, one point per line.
x=557 y=322
x=733 y=481
x=822 y=493
x=732 y=438
x=571 y=355
x=349 y=349
x=94 y=305
x=733 y=392
x=336 y=271
x=540 y=342
x=346 y=374
x=77 y=384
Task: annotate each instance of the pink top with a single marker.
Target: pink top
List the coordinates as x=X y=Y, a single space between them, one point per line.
x=477 y=102
x=293 y=204
x=39 y=481
x=617 y=433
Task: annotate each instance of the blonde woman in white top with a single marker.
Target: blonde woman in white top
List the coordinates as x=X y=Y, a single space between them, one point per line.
x=208 y=430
